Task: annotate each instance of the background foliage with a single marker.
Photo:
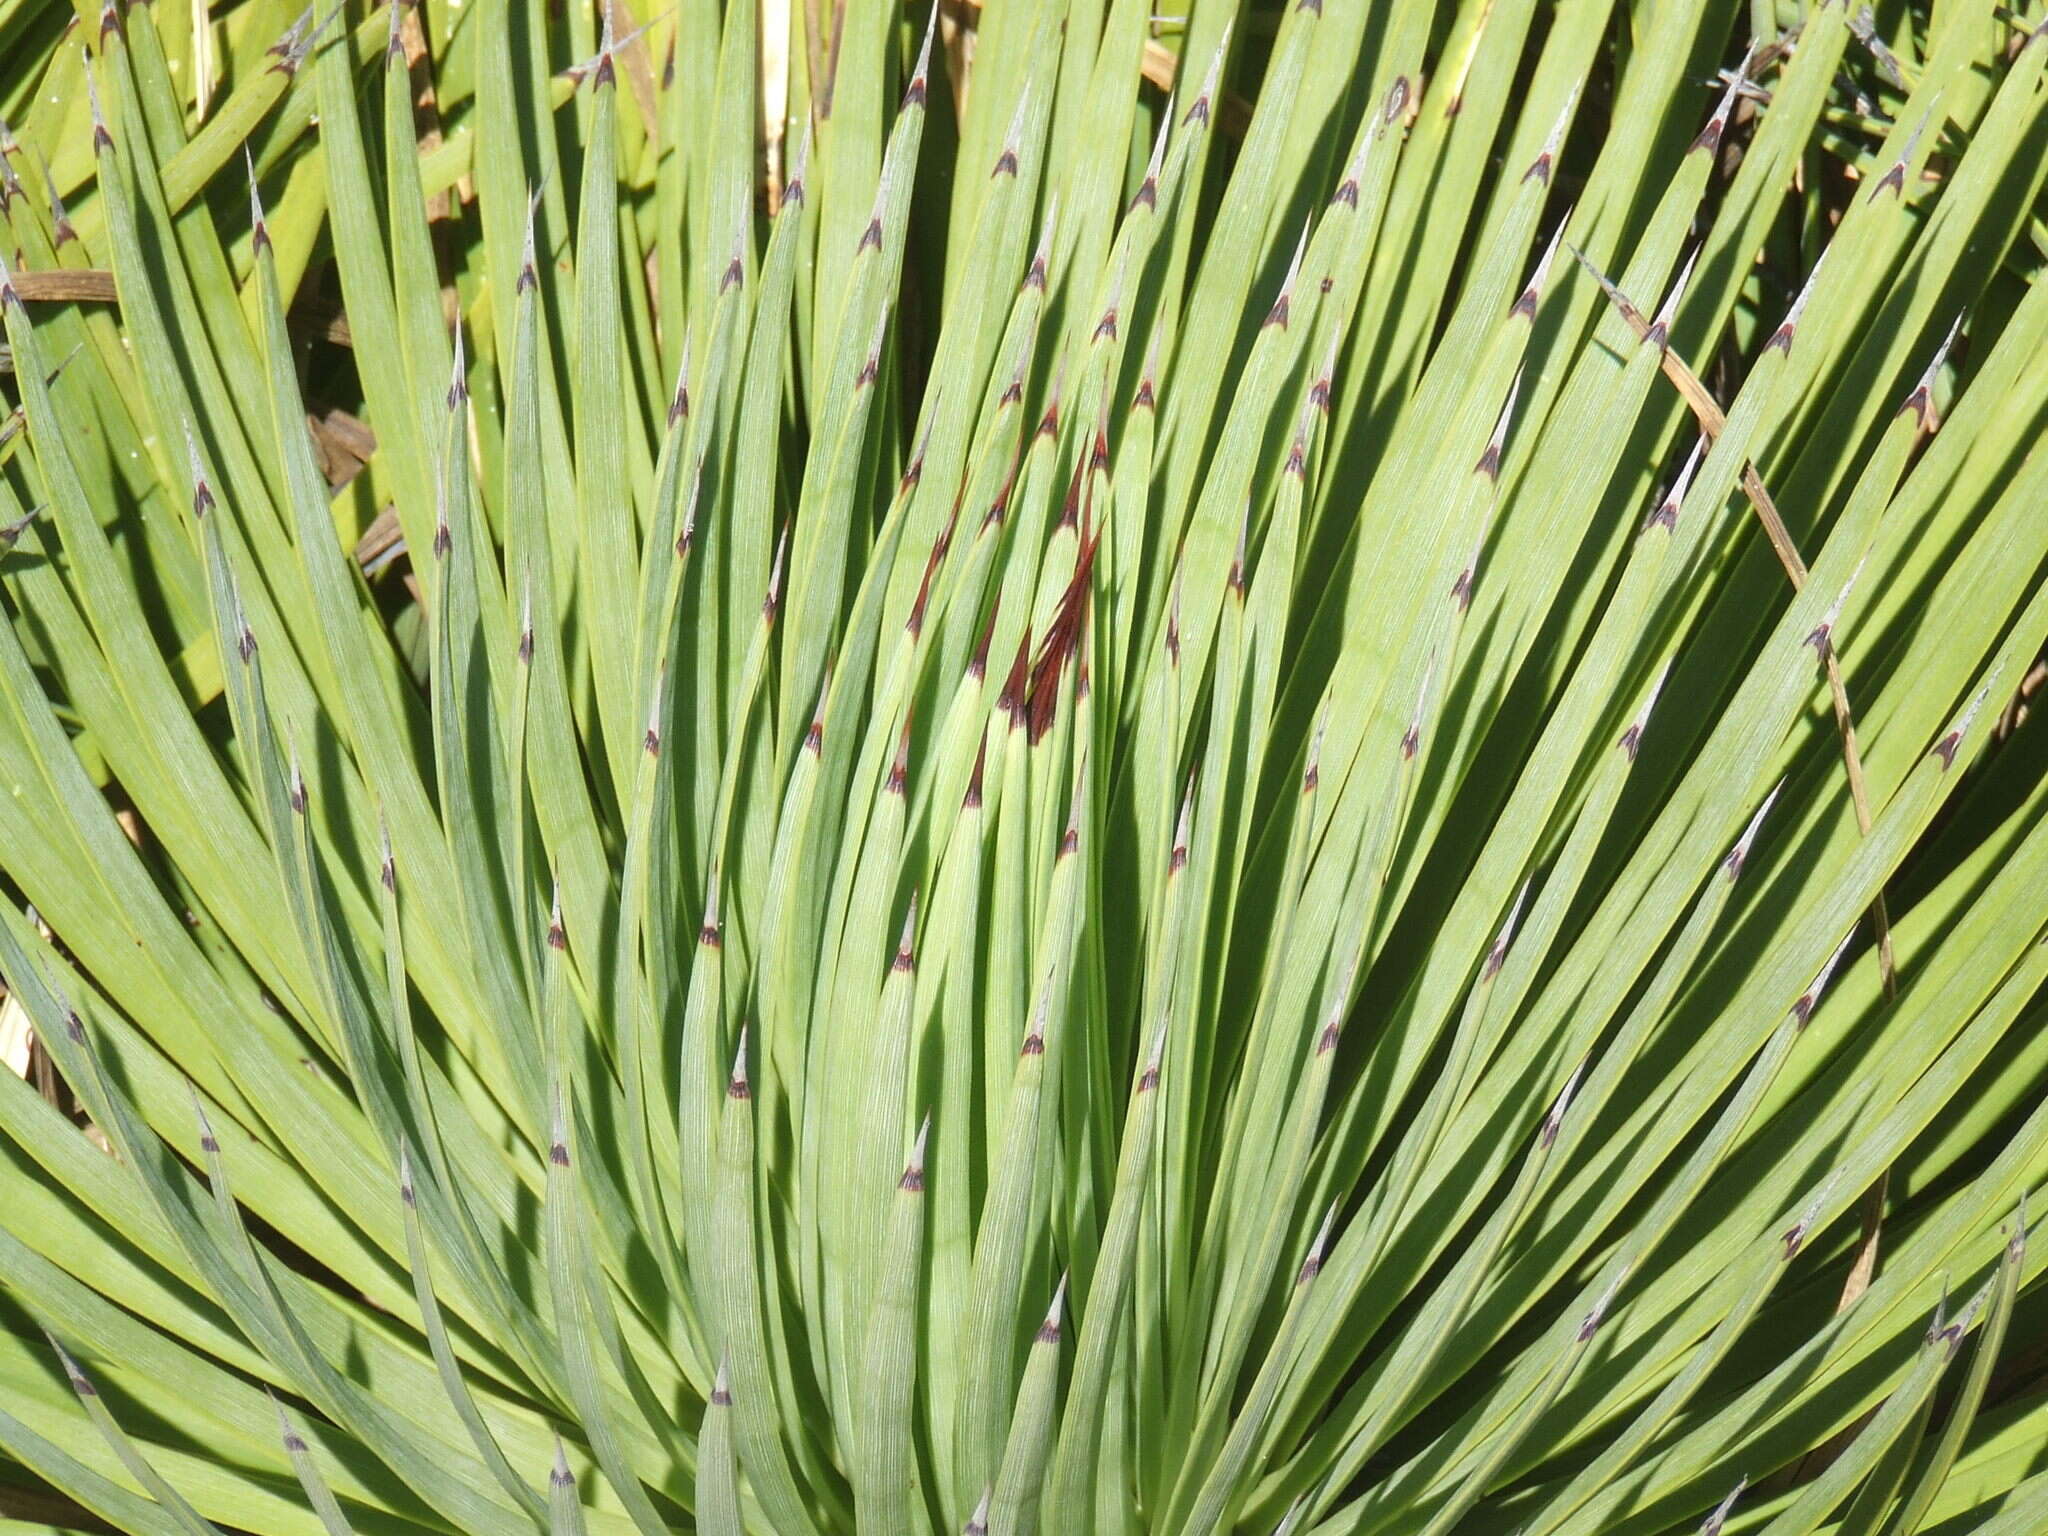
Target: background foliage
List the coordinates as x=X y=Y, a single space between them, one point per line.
x=773 y=769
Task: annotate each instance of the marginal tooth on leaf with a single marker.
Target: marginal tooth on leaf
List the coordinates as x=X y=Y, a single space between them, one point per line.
x=1921 y=401
x=1894 y=178
x=1739 y=854
x=1070 y=839
x=1781 y=338
x=1034 y=1037
x=1041 y=256
x=202 y=489
x=1155 y=1057
x=906 y=944
x=873 y=365
x=772 y=602
x=1177 y=859
x=793 y=183
x=1049 y=423
x=458 y=381
x=1659 y=334
x=1723 y=1510
x=1147 y=398
x=1277 y=315
x=297 y=791
x=1013 y=137
x=679 y=402
x=871 y=236
x=287 y=1433
x=1794 y=1237
x=528 y=277
x=394 y=43
x=600 y=71
x=259 y=231
x=1105 y=328
x=558 y=1139
x=1545 y=163
x=1666 y=514
x=101 y=139
x=1312 y=1261
x=1497 y=956
x=1489 y=460
x=711 y=929
x=245 y=637
x=1199 y=109
x=1147 y=195
x=1235 y=580
x=74 y=1373
x=912 y=1182
x=1553 y=1122
x=405 y=1190
x=1049 y=1330
x=814 y=734
x=977 y=1523
x=1951 y=1337
x=1934 y=1324
x=1411 y=739
x=558 y=938
x=686 y=540
x=1312 y=772
x=387 y=866
x=737 y=1085
x=209 y=1143
x=559 y=1476
x=110 y=20
x=1296 y=466
x=977 y=664
x=1950 y=744
x=1821 y=636
x=920 y=76
x=1333 y=1021
x=1709 y=137
x=1594 y=1318
x=1525 y=304
x=525 y=649
x=971 y=799
x=721 y=1387
x=1802 y=1009
x=10 y=533
x=1326 y=375
x=913 y=475
x=1632 y=738
x=899 y=767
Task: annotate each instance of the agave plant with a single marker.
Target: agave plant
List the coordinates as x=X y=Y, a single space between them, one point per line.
x=802 y=769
